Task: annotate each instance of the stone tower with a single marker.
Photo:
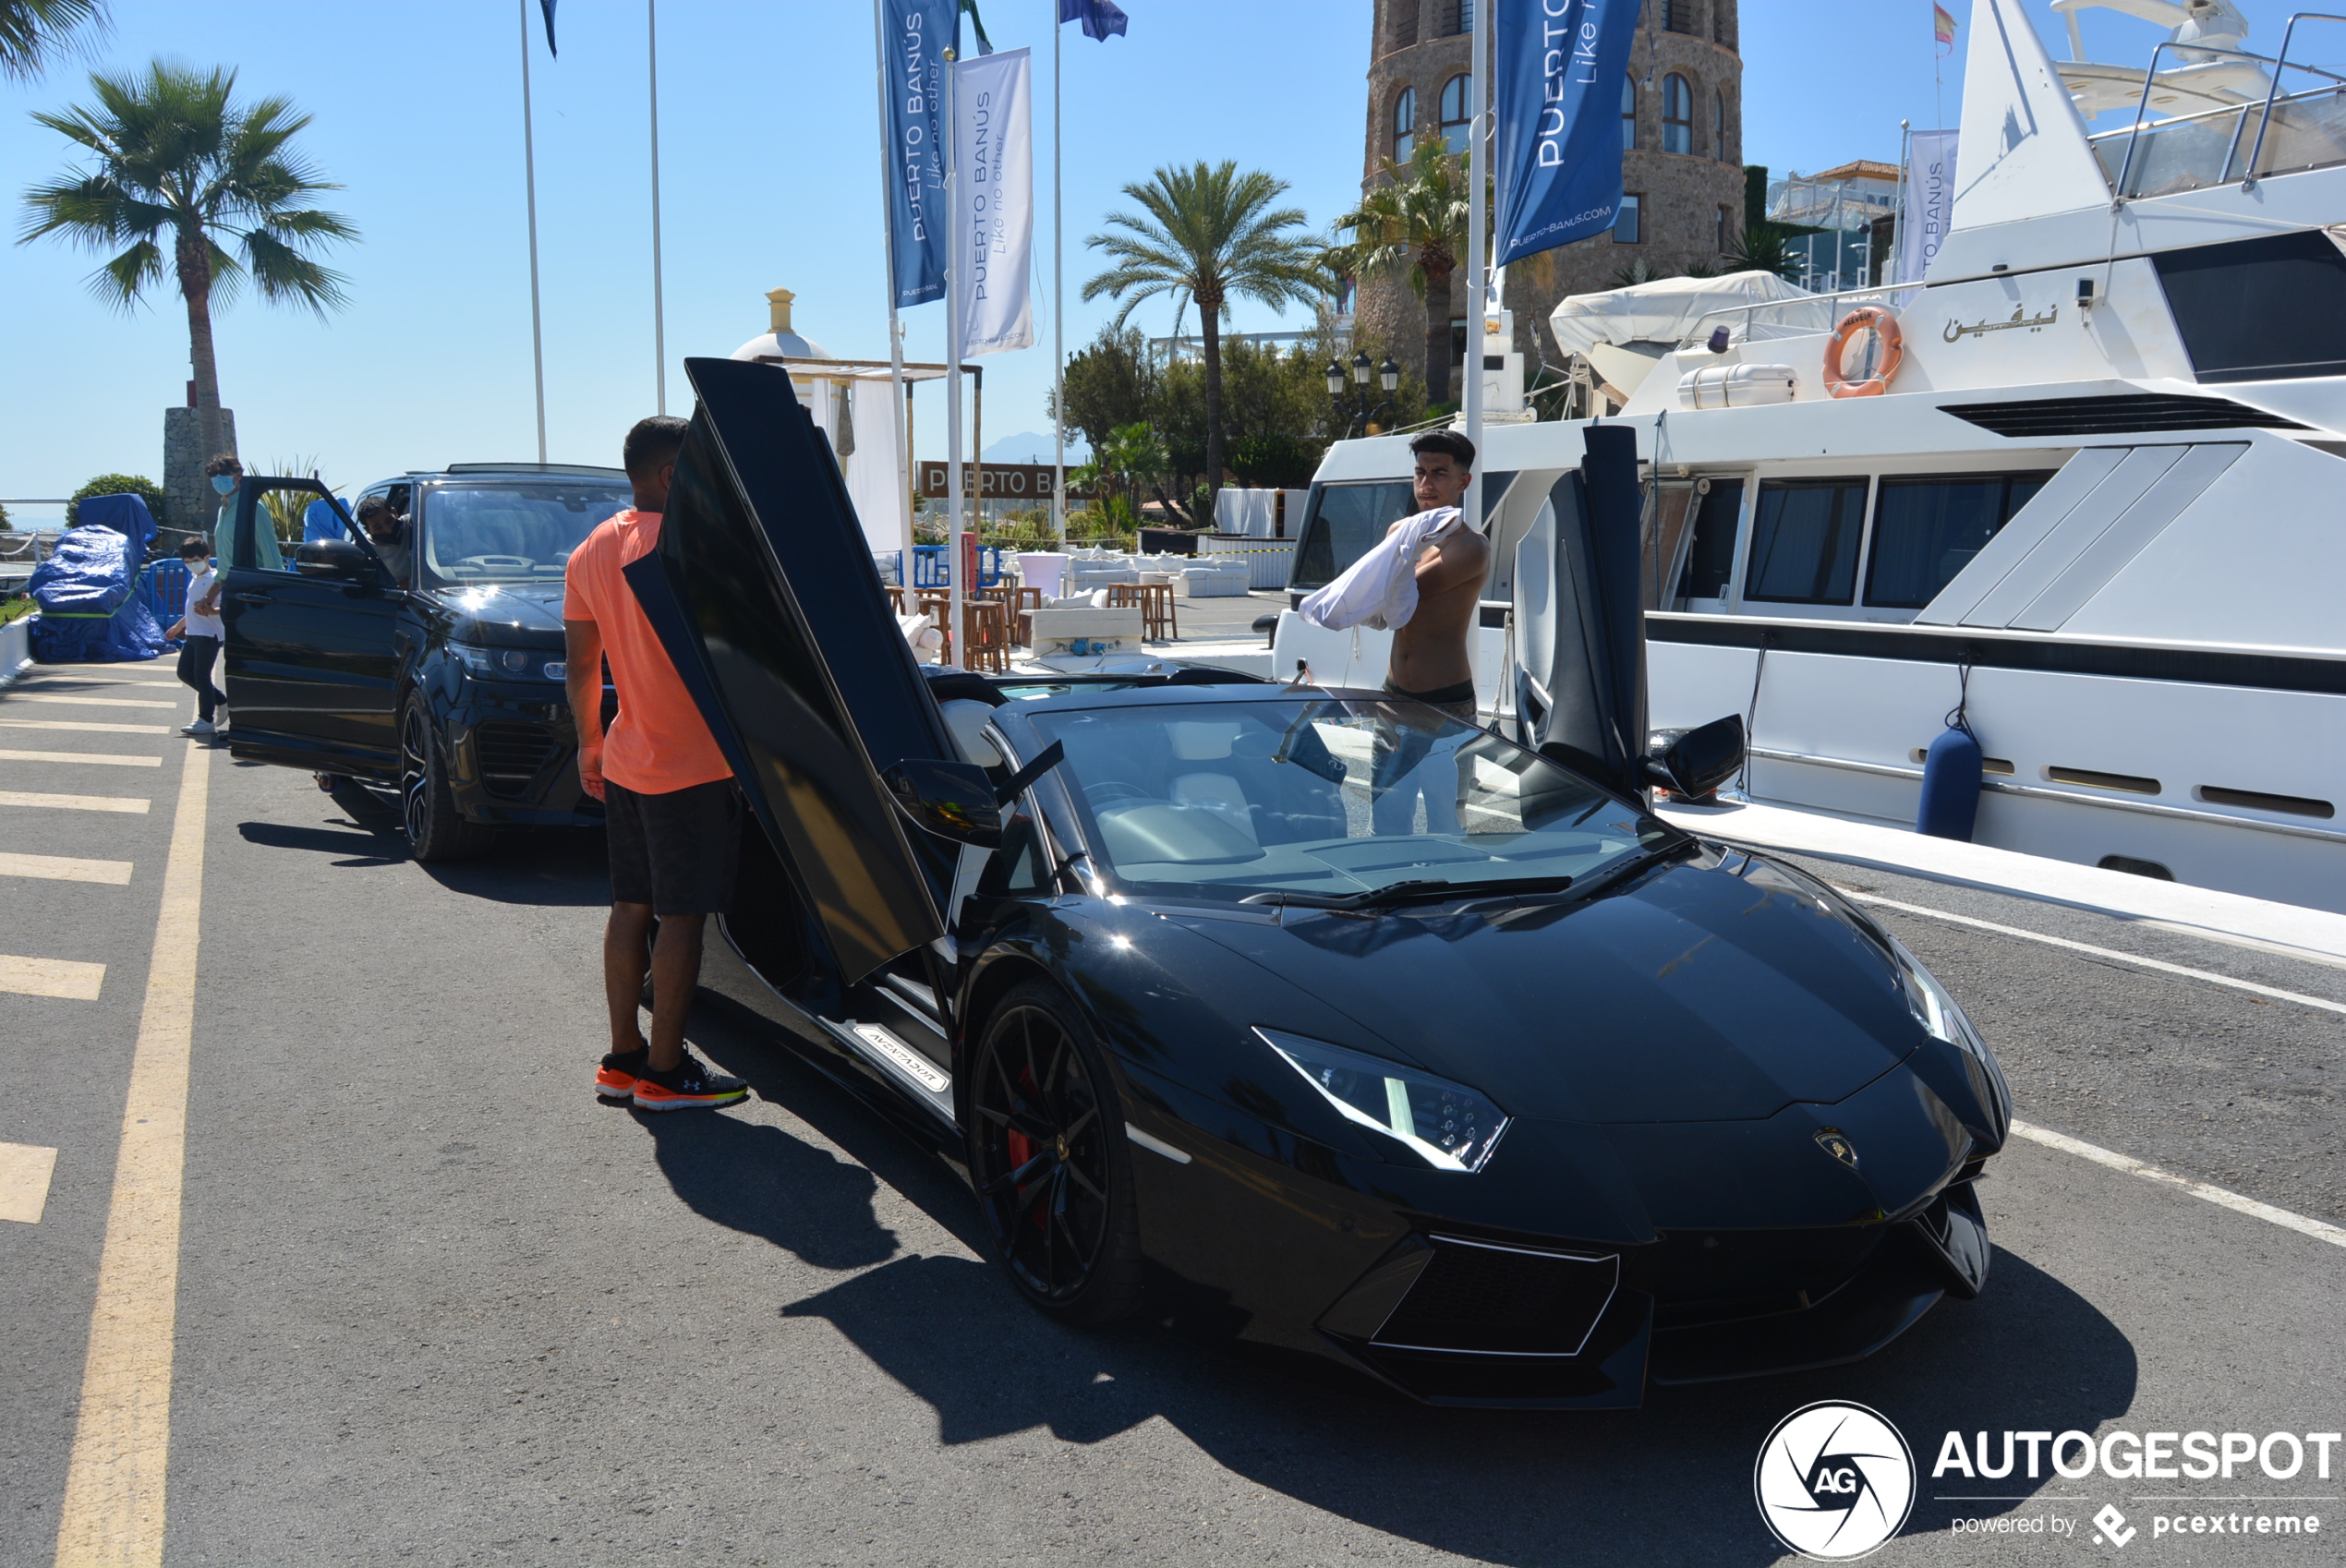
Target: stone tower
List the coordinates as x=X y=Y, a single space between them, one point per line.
x=1684 y=168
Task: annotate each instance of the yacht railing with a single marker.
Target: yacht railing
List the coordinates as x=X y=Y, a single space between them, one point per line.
x=1699 y=333
x=2179 y=153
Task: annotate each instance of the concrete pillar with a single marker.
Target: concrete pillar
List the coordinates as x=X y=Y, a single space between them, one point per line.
x=192 y=504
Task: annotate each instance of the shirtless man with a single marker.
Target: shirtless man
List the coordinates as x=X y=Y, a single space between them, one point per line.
x=1429 y=660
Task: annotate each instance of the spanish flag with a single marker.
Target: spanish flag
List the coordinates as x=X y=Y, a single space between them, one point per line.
x=1942 y=26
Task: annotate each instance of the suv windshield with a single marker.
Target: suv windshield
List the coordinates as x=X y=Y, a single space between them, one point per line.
x=511 y=532
x=1331 y=800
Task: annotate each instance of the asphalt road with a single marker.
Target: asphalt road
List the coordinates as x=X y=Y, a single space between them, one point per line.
x=437 y=1305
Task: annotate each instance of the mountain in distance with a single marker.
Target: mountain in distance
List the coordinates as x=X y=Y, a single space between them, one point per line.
x=1035 y=446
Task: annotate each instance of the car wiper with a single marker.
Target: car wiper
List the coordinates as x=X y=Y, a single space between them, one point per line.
x=1417 y=889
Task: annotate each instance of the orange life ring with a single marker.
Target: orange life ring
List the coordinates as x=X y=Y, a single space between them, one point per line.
x=1884 y=326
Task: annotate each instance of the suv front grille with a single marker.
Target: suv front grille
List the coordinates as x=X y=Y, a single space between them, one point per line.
x=511 y=755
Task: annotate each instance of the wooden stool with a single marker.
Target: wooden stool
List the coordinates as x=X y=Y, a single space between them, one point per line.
x=1155 y=601
x=990 y=635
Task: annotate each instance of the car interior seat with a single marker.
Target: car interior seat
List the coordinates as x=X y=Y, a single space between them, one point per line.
x=1214 y=789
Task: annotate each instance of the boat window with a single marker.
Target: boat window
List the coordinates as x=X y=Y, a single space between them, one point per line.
x=1710 y=558
x=1927 y=528
x=1804 y=541
x=2260 y=309
x=1344 y=521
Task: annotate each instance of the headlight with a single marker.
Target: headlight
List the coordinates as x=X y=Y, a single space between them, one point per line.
x=1936 y=1009
x=509 y=664
x=1448 y=1126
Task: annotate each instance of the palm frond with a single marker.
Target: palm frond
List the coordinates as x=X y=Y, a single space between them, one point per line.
x=32 y=32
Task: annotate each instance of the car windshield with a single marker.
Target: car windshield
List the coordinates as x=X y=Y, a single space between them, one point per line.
x=511 y=533
x=1331 y=800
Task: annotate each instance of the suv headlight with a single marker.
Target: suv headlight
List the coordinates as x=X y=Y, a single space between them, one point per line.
x=1936 y=1009
x=1448 y=1126
x=509 y=664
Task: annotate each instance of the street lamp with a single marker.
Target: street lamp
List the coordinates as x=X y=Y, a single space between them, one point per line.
x=1356 y=414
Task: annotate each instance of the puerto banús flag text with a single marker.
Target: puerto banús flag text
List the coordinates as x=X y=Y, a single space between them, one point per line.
x=916 y=34
x=995 y=166
x=1559 y=68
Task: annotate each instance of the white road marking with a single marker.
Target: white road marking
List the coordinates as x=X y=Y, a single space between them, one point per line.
x=98 y=681
x=84 y=726
x=2135 y=959
x=25 y=1169
x=64 y=868
x=74 y=802
x=89 y=702
x=115 y=1480
x=104 y=759
x=2321 y=1230
x=51 y=977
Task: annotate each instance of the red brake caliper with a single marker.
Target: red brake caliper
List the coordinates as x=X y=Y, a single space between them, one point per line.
x=1021 y=1148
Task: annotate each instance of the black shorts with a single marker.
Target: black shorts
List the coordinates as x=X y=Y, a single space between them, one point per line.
x=676 y=851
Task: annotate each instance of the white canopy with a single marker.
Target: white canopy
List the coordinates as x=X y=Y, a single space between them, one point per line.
x=1660 y=312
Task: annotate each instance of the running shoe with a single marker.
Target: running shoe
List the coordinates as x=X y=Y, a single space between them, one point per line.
x=615 y=1079
x=200 y=727
x=690 y=1085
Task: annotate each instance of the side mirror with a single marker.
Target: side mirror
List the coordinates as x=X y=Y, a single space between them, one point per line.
x=334 y=558
x=1692 y=763
x=952 y=800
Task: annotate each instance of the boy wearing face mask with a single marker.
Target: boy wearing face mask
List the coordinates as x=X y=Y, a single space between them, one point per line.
x=203 y=629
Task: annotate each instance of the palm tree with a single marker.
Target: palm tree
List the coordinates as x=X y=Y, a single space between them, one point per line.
x=31 y=31
x=1207 y=234
x=179 y=163
x=1415 y=217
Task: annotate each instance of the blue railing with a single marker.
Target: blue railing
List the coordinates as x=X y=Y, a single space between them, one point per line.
x=930 y=568
x=163 y=589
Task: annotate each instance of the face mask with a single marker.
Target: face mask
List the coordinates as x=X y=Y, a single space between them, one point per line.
x=223 y=483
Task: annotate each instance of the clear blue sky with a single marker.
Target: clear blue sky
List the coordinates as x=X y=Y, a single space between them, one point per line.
x=770 y=177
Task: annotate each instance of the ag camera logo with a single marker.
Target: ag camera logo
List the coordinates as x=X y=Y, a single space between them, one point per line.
x=1834 y=1481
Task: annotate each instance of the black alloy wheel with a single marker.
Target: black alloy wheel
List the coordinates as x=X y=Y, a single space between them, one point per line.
x=436 y=830
x=1049 y=1157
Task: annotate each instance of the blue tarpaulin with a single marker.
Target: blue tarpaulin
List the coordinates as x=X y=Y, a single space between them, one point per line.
x=85 y=589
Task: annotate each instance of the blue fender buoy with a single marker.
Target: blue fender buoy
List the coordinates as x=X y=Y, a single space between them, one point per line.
x=1951 y=775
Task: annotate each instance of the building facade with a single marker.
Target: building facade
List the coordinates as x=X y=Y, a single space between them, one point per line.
x=1682 y=161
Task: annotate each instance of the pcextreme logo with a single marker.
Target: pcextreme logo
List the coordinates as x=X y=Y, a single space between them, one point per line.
x=1834 y=1480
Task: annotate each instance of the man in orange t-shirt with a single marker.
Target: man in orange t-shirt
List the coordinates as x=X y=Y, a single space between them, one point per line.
x=674 y=818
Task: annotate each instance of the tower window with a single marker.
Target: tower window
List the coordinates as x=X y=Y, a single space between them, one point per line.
x=1677 y=115
x=1677 y=16
x=1720 y=147
x=1626 y=223
x=1405 y=125
x=1629 y=113
x=1457 y=109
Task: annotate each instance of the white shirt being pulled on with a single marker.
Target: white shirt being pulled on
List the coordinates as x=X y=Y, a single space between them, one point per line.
x=1380 y=590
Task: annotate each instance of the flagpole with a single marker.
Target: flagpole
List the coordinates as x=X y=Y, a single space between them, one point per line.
x=660 y=312
x=1478 y=271
x=1059 y=307
x=958 y=628
x=899 y=406
x=529 y=177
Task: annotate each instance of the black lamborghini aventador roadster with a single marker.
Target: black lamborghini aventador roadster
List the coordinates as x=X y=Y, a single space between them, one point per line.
x=1313 y=1014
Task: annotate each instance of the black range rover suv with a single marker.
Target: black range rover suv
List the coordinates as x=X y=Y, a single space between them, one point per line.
x=431 y=662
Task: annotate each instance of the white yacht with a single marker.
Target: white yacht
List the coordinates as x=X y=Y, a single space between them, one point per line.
x=2089 y=494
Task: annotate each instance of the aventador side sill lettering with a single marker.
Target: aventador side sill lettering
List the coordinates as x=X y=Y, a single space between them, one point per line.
x=919 y=1069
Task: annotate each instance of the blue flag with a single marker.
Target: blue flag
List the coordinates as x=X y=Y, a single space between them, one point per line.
x=1100 y=18
x=919 y=32
x=1560 y=67
x=548 y=6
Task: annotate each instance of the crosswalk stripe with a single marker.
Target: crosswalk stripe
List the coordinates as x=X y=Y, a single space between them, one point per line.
x=89 y=702
x=51 y=977
x=74 y=802
x=85 y=726
x=102 y=759
x=95 y=681
x=64 y=868
x=25 y=1169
